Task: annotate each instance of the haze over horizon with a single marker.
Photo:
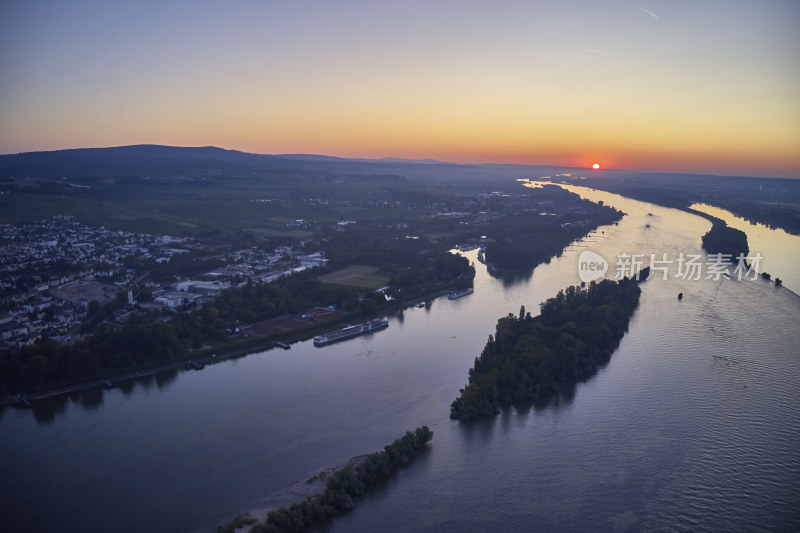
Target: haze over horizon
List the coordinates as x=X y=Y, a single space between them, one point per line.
x=657 y=86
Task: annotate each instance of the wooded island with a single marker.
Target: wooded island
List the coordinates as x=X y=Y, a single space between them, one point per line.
x=535 y=358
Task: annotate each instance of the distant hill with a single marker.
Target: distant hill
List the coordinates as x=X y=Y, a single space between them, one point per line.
x=124 y=161
x=154 y=160
x=773 y=201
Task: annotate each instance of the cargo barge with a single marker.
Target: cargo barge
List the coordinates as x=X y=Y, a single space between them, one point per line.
x=350 y=331
x=459 y=294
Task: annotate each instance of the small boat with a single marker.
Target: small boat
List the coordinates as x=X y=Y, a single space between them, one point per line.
x=282 y=345
x=459 y=294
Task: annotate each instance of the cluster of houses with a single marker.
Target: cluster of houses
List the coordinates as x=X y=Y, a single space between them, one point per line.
x=251 y=265
x=57 y=250
x=51 y=271
x=42 y=314
x=39 y=258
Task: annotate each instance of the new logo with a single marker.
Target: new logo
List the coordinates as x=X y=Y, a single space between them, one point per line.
x=591 y=266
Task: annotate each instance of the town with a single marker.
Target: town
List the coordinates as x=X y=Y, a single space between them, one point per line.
x=85 y=294
x=52 y=270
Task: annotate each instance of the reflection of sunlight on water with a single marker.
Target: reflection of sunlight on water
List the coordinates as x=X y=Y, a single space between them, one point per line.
x=780 y=250
x=645 y=230
x=668 y=433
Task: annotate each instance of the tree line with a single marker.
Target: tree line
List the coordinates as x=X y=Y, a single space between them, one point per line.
x=147 y=340
x=723 y=239
x=526 y=239
x=535 y=358
x=344 y=487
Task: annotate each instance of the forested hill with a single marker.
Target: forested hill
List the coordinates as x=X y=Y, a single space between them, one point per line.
x=534 y=358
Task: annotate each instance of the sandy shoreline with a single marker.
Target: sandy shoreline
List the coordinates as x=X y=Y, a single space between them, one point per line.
x=313 y=485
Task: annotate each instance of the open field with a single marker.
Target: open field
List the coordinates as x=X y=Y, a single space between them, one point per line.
x=359 y=276
x=86 y=290
x=278 y=325
x=275 y=232
x=287 y=324
x=181 y=208
x=326 y=314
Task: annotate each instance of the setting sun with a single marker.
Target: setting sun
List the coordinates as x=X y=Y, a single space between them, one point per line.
x=596 y=166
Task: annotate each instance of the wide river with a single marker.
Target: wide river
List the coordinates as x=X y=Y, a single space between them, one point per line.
x=693 y=425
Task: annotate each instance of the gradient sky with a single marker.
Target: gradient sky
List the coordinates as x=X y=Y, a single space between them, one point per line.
x=678 y=85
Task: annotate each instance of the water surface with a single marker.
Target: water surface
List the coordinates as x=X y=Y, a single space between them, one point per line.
x=693 y=425
x=780 y=251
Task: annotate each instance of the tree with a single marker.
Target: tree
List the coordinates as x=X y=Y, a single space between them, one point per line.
x=535 y=358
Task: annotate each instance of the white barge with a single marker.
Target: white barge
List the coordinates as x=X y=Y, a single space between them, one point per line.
x=350 y=331
x=459 y=294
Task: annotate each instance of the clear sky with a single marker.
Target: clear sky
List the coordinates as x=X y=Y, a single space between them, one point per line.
x=683 y=85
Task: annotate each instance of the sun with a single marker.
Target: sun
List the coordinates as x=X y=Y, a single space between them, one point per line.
x=596 y=166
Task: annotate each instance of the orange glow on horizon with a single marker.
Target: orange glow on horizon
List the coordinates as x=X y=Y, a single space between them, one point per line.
x=465 y=90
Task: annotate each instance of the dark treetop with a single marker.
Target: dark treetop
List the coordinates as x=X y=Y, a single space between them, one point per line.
x=535 y=358
x=343 y=488
x=723 y=239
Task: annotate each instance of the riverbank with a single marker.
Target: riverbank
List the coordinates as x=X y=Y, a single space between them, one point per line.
x=185 y=455
x=332 y=492
x=723 y=239
x=210 y=356
x=313 y=485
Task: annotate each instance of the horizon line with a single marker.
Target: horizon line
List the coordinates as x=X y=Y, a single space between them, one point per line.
x=428 y=160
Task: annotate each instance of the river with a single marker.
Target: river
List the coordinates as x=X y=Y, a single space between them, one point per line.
x=693 y=425
x=780 y=250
